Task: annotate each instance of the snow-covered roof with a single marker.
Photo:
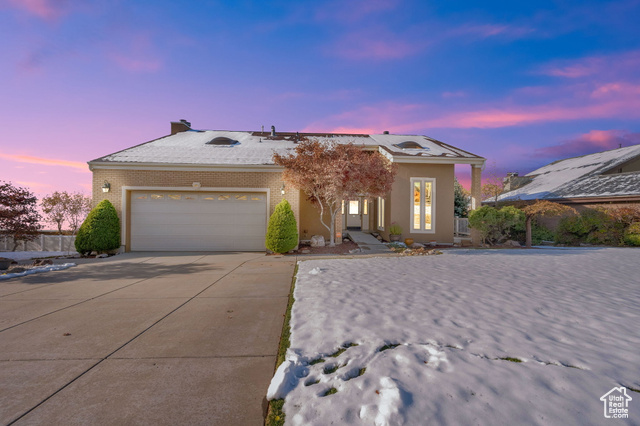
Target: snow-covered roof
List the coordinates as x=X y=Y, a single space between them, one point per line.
x=192 y=147
x=581 y=177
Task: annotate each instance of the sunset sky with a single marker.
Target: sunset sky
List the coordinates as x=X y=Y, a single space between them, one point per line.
x=520 y=83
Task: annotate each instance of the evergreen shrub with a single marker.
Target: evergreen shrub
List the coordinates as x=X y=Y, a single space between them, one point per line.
x=100 y=231
x=282 y=232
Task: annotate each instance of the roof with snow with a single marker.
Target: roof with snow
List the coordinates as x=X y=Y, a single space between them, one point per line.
x=614 y=173
x=218 y=147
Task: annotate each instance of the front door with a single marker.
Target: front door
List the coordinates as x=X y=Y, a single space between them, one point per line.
x=356 y=214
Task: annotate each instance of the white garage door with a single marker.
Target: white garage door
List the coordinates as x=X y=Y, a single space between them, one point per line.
x=197 y=221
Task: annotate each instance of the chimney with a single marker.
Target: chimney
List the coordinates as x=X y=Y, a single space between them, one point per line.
x=273 y=130
x=180 y=126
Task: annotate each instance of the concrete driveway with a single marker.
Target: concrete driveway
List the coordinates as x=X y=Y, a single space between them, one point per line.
x=145 y=338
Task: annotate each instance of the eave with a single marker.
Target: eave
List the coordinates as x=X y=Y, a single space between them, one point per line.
x=185 y=167
x=419 y=159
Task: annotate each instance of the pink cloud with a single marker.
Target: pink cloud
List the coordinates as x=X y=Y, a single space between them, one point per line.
x=605 y=66
x=367 y=119
x=491 y=30
x=589 y=143
x=409 y=118
x=456 y=94
x=136 y=64
x=616 y=89
x=517 y=116
x=353 y=10
x=45 y=161
x=45 y=9
x=375 y=45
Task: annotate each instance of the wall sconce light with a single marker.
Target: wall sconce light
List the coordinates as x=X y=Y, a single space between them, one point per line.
x=282 y=189
x=106 y=186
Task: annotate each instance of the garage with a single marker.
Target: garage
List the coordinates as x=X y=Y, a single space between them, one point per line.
x=198 y=221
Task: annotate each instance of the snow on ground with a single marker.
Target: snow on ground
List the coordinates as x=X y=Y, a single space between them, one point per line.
x=25 y=255
x=36 y=270
x=571 y=317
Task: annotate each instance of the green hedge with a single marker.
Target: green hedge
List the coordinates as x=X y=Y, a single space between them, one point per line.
x=282 y=232
x=100 y=231
x=497 y=225
x=632 y=234
x=592 y=226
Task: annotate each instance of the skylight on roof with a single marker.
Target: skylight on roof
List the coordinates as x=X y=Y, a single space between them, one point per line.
x=222 y=140
x=408 y=145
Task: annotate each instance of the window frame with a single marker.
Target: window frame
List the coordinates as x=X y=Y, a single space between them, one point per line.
x=380 y=219
x=422 y=181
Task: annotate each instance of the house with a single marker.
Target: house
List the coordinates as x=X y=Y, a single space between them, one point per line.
x=215 y=190
x=610 y=178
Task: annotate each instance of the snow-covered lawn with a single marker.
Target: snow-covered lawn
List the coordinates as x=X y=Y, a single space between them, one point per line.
x=25 y=255
x=462 y=320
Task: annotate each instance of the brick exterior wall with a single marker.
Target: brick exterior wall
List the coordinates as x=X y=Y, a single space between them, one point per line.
x=208 y=179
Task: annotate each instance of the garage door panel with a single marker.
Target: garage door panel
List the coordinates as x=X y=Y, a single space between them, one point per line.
x=163 y=220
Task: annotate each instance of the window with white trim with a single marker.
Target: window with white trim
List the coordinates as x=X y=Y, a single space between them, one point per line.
x=423 y=205
x=381 y=213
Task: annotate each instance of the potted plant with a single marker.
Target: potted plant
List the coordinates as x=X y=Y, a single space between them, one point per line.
x=395 y=231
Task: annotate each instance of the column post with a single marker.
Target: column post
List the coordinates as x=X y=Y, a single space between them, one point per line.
x=476 y=197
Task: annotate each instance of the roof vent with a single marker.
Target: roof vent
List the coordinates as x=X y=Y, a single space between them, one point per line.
x=386 y=132
x=222 y=140
x=273 y=130
x=409 y=145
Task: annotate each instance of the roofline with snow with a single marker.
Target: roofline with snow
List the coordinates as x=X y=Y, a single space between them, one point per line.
x=185 y=167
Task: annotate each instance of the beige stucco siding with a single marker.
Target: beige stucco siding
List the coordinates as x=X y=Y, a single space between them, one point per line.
x=310 y=223
x=169 y=179
x=398 y=204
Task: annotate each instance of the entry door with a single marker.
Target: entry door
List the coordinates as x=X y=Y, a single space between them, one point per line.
x=353 y=212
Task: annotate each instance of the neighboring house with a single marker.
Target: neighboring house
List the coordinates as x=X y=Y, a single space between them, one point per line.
x=610 y=178
x=215 y=190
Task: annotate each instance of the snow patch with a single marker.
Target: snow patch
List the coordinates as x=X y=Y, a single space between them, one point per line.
x=462 y=320
x=37 y=270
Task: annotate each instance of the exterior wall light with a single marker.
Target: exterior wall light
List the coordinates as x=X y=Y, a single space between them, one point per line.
x=282 y=189
x=106 y=186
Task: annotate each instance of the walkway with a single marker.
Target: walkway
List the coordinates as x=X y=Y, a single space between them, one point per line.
x=368 y=243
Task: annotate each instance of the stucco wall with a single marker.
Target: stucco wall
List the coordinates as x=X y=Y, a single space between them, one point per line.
x=310 y=224
x=398 y=204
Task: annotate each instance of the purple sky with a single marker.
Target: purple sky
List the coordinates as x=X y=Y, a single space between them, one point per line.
x=520 y=83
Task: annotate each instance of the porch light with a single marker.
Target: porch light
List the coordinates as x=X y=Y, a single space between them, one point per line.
x=106 y=186
x=282 y=189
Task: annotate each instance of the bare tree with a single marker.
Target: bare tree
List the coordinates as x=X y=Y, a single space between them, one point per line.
x=54 y=207
x=493 y=186
x=330 y=173
x=78 y=207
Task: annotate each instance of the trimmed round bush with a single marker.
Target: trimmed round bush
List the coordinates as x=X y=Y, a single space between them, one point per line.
x=632 y=234
x=282 y=232
x=100 y=231
x=497 y=225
